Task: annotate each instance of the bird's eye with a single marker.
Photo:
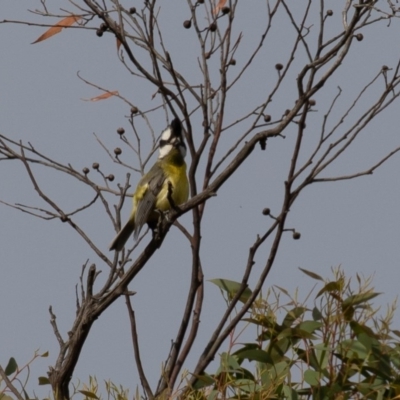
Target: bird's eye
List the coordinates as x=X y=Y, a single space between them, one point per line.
x=163 y=142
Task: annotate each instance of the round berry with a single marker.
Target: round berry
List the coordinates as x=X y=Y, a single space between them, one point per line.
x=213 y=27
x=296 y=235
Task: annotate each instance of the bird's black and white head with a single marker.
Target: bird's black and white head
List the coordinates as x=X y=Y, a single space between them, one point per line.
x=172 y=138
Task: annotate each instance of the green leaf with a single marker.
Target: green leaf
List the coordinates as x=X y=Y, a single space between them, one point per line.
x=284 y=291
x=352 y=349
x=368 y=342
x=316 y=314
x=331 y=287
x=277 y=349
x=229 y=361
x=358 y=329
x=380 y=359
x=395 y=359
x=348 y=313
x=246 y=385
x=203 y=380
x=255 y=355
x=262 y=320
x=244 y=374
x=289 y=393
x=231 y=288
x=359 y=298
x=311 y=377
x=282 y=368
x=275 y=374
x=311 y=274
x=11 y=366
x=213 y=395
x=309 y=326
x=89 y=394
x=308 y=357
x=292 y=315
x=247 y=346
x=368 y=387
x=322 y=353
x=286 y=333
x=297 y=333
x=46 y=354
x=228 y=364
x=43 y=380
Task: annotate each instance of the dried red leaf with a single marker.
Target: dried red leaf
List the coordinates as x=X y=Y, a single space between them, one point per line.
x=103 y=96
x=118 y=44
x=57 y=28
x=218 y=7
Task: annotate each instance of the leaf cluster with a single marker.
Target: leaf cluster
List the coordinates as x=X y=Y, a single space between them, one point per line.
x=336 y=349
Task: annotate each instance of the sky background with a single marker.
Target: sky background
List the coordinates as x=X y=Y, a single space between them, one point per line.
x=353 y=223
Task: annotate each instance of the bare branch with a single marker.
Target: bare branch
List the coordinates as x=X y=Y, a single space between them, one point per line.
x=55 y=328
x=135 y=341
x=369 y=171
x=9 y=384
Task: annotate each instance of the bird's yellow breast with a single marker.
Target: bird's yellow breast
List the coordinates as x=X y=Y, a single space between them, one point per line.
x=176 y=175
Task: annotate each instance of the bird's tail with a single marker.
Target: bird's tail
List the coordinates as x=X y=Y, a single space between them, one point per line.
x=123 y=235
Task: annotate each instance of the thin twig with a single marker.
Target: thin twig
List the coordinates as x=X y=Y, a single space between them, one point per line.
x=135 y=341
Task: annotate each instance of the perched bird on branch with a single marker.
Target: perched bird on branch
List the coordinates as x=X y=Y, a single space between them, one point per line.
x=163 y=187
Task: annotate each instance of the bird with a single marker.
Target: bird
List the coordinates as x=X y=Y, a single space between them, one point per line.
x=163 y=187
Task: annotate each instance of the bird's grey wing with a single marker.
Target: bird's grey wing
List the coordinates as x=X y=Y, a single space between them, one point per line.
x=154 y=181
